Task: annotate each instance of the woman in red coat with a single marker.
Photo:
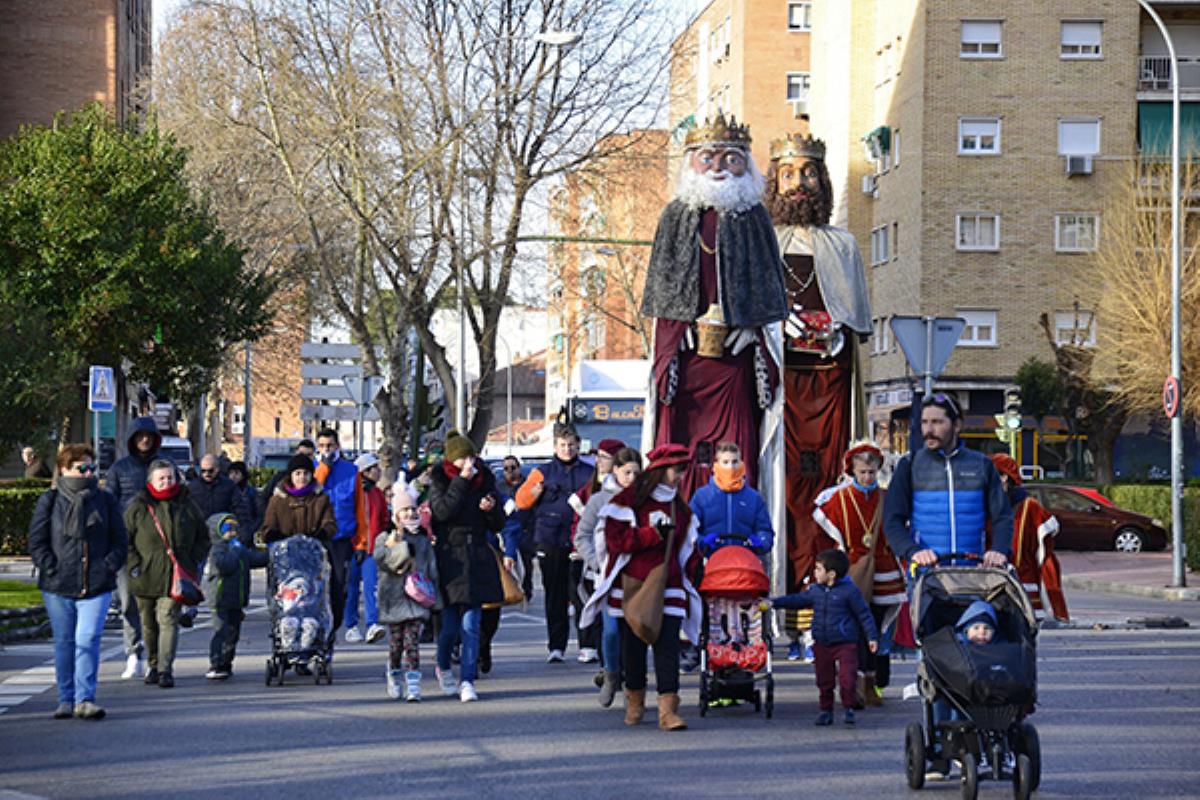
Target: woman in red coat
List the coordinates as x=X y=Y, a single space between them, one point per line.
x=637 y=524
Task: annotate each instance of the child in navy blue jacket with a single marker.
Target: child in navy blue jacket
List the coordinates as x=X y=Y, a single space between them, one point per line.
x=729 y=510
x=839 y=614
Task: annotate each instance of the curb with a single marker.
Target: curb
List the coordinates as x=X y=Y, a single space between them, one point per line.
x=16 y=566
x=1115 y=587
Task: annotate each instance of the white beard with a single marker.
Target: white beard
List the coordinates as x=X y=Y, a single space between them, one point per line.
x=731 y=195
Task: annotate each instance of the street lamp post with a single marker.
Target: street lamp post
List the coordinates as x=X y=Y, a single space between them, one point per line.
x=1179 y=577
x=508 y=419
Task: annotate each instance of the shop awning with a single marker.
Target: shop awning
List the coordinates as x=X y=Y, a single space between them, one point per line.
x=1154 y=129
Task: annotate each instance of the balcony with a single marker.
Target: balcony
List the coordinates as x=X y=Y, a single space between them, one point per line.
x=1154 y=74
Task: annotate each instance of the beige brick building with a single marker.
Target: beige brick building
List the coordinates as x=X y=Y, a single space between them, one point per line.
x=973 y=145
x=59 y=55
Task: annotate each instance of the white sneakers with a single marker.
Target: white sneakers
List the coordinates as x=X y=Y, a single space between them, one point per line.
x=413 y=684
x=446 y=681
x=466 y=692
x=353 y=635
x=134 y=667
x=393 y=683
x=375 y=633
x=588 y=655
x=555 y=657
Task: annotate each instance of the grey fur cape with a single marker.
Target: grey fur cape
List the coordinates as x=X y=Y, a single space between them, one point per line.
x=748 y=265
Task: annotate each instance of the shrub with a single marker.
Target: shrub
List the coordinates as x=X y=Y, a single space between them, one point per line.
x=16 y=510
x=1154 y=500
x=259 y=476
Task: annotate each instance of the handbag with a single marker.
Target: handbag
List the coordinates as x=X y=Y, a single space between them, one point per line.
x=862 y=572
x=185 y=586
x=420 y=588
x=513 y=593
x=642 y=600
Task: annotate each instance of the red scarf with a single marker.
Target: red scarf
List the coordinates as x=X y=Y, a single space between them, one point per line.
x=452 y=472
x=165 y=494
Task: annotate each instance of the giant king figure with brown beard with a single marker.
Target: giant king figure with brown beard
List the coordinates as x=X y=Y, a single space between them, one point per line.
x=828 y=312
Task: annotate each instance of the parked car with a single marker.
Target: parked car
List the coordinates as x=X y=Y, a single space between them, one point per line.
x=1090 y=523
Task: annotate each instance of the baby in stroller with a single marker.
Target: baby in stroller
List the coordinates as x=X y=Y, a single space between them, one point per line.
x=298 y=600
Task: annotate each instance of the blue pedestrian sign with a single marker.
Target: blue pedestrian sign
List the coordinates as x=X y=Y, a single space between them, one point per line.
x=102 y=391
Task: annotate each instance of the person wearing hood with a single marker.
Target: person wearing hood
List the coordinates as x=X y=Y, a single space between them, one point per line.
x=299 y=505
x=589 y=544
x=126 y=477
x=978 y=623
x=239 y=473
x=78 y=543
x=227 y=588
x=215 y=493
x=161 y=515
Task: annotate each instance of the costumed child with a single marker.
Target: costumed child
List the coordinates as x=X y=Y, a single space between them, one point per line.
x=408 y=579
x=840 y=616
x=728 y=510
x=852 y=517
x=1034 y=529
x=227 y=587
x=650 y=535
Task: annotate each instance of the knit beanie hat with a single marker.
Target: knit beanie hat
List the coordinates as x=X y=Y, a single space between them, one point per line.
x=458 y=446
x=299 y=461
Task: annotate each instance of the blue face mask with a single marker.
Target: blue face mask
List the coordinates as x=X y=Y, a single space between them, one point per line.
x=864 y=489
x=331 y=457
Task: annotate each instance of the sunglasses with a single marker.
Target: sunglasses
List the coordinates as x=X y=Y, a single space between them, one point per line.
x=85 y=469
x=944 y=400
x=207 y=471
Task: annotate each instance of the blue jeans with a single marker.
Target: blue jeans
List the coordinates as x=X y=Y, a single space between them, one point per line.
x=612 y=642
x=456 y=619
x=78 y=626
x=366 y=574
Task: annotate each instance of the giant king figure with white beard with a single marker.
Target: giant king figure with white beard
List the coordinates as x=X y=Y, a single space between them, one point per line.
x=715 y=257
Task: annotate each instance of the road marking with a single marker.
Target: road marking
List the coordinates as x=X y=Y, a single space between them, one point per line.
x=16 y=700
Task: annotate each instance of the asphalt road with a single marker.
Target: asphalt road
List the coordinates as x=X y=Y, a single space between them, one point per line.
x=1117 y=719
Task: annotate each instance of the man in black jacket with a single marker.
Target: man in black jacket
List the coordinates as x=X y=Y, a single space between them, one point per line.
x=125 y=479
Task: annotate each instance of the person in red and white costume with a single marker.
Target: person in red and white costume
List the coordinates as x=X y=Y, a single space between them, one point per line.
x=852 y=516
x=637 y=523
x=1034 y=529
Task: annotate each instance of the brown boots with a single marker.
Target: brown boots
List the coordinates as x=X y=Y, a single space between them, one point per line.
x=668 y=719
x=635 y=706
x=867 y=693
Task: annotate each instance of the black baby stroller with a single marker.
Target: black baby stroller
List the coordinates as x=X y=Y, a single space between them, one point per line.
x=990 y=687
x=735 y=637
x=298 y=602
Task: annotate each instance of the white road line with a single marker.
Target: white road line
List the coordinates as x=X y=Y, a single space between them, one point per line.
x=14 y=699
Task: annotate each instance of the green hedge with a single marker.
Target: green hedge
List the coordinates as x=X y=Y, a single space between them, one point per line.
x=259 y=476
x=16 y=509
x=1154 y=500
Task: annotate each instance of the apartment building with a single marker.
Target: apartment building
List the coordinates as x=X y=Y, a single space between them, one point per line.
x=973 y=145
x=59 y=55
x=604 y=217
x=745 y=57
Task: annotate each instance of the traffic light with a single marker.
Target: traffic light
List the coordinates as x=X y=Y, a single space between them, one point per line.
x=435 y=416
x=1002 y=432
x=1012 y=409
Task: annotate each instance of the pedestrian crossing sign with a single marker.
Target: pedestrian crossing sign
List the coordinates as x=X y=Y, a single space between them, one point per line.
x=102 y=392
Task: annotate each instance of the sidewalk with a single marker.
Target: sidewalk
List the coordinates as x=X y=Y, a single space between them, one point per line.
x=1138 y=574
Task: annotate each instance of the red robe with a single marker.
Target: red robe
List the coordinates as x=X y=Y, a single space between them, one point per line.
x=847 y=517
x=1034 y=529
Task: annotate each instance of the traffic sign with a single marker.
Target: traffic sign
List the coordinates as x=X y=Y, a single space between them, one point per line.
x=928 y=351
x=102 y=390
x=362 y=391
x=1171 y=395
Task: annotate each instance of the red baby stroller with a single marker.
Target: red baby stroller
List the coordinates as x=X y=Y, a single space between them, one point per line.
x=735 y=637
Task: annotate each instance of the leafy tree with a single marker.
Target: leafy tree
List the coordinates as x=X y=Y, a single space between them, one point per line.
x=110 y=257
x=1041 y=392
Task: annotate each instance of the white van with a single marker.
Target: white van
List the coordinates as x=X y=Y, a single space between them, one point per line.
x=179 y=450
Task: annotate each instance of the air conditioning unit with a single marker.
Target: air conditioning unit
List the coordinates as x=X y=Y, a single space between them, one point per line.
x=1079 y=165
x=870 y=183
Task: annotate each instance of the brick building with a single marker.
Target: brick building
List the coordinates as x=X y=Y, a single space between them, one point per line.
x=606 y=214
x=59 y=55
x=973 y=145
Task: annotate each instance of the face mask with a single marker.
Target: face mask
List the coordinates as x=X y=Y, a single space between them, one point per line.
x=331 y=457
x=411 y=525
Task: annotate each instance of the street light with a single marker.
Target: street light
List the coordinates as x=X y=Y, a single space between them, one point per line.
x=508 y=421
x=1179 y=575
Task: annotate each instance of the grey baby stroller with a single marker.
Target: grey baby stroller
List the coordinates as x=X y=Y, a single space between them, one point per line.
x=988 y=688
x=298 y=602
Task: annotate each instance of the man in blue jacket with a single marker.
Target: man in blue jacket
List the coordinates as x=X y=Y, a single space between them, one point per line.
x=339 y=478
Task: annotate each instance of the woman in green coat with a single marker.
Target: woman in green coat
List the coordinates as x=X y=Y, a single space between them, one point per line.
x=162 y=510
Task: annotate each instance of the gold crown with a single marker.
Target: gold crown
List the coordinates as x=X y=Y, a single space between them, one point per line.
x=798 y=145
x=719 y=131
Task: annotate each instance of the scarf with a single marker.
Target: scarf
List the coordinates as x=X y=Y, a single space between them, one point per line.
x=864 y=489
x=76 y=491
x=452 y=472
x=729 y=479
x=308 y=488
x=166 y=494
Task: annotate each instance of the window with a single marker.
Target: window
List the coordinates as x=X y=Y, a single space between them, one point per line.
x=880 y=252
x=979 y=231
x=881 y=340
x=1076 y=233
x=797 y=86
x=980 y=330
x=1079 y=137
x=978 y=136
x=239 y=420
x=895 y=240
x=980 y=38
x=799 y=16
x=895 y=147
x=1075 y=327
x=1080 y=39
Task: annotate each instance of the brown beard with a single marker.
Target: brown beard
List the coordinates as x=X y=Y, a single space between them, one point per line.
x=796 y=208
